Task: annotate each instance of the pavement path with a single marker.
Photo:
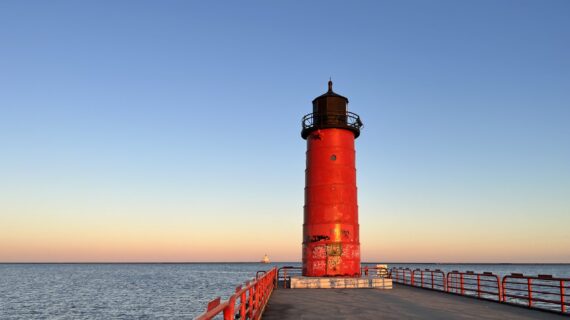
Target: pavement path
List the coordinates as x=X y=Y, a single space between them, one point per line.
x=402 y=302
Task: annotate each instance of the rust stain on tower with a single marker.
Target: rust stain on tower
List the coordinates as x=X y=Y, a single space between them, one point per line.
x=331 y=245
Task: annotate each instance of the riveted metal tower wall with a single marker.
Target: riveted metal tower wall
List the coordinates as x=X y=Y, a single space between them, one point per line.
x=331 y=245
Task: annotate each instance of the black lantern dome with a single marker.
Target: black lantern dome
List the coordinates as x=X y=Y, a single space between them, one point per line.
x=330 y=110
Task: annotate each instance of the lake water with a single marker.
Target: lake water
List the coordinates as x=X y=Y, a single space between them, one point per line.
x=151 y=291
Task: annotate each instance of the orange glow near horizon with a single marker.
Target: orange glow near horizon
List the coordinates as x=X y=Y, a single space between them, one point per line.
x=116 y=239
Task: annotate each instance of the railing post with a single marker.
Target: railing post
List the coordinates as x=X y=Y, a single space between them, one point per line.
x=243 y=300
x=432 y=286
x=229 y=310
x=256 y=298
x=500 y=289
x=276 y=280
x=529 y=286
x=264 y=290
x=284 y=278
x=422 y=277
x=562 y=302
x=478 y=286
x=461 y=283
x=504 y=288
x=250 y=306
x=259 y=296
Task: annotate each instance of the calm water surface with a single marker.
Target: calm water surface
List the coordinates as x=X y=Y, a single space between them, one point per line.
x=150 y=291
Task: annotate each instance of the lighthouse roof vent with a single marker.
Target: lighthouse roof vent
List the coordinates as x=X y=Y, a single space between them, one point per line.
x=331 y=94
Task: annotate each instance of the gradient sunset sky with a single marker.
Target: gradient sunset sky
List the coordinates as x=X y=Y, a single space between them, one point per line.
x=170 y=130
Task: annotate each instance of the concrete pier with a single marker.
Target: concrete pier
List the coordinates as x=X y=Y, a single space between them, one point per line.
x=402 y=302
x=300 y=282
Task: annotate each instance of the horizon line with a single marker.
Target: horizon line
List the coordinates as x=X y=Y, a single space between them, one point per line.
x=276 y=262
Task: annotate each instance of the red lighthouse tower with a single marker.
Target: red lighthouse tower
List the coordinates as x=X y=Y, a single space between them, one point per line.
x=331 y=245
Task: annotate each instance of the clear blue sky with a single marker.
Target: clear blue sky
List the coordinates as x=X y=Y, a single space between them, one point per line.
x=123 y=121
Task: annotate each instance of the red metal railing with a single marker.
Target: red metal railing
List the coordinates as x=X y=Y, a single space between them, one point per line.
x=283 y=275
x=402 y=275
x=253 y=297
x=375 y=271
x=484 y=285
x=543 y=292
x=429 y=279
x=540 y=292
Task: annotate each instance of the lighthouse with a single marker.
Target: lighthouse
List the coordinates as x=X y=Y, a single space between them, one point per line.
x=331 y=245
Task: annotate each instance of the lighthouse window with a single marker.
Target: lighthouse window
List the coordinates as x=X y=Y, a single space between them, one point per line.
x=333 y=157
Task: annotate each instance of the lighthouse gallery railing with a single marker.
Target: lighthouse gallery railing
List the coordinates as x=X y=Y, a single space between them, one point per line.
x=348 y=119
